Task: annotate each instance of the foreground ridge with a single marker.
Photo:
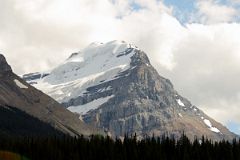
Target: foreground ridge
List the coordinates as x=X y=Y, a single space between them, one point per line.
x=25 y=103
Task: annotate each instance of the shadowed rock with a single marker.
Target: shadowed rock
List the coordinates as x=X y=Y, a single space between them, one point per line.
x=4 y=66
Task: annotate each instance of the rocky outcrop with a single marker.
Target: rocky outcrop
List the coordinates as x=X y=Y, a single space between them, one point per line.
x=4 y=66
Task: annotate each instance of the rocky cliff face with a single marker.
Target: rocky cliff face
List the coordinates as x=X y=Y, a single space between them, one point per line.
x=146 y=103
x=124 y=94
x=16 y=93
x=4 y=67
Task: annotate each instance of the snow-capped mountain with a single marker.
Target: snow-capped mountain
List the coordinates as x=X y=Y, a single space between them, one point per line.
x=114 y=87
x=32 y=108
x=96 y=64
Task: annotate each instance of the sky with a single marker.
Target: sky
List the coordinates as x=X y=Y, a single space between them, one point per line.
x=194 y=43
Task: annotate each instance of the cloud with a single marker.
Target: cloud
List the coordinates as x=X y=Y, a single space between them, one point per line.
x=207 y=69
x=212 y=11
x=235 y=1
x=38 y=30
x=202 y=60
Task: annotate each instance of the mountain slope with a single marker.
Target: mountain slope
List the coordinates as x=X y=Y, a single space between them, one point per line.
x=16 y=123
x=18 y=94
x=113 y=86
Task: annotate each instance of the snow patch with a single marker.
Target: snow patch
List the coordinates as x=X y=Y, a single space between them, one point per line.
x=83 y=109
x=214 y=129
x=180 y=115
x=180 y=102
x=105 y=89
x=59 y=92
x=116 y=48
x=209 y=124
x=75 y=58
x=19 y=84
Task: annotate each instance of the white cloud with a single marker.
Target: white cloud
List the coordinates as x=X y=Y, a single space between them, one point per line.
x=207 y=69
x=235 y=1
x=202 y=60
x=212 y=11
x=40 y=29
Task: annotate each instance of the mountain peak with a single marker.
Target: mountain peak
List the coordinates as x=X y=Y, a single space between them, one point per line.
x=103 y=60
x=4 y=66
x=114 y=87
x=99 y=48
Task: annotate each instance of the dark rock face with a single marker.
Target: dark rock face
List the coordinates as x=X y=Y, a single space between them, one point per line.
x=34 y=76
x=4 y=66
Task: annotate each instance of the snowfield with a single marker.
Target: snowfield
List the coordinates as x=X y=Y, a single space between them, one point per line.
x=83 y=109
x=93 y=65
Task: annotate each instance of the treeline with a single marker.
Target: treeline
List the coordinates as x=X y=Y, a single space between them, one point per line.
x=98 y=147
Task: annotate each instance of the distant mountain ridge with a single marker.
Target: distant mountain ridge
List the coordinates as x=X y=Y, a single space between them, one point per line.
x=17 y=96
x=113 y=86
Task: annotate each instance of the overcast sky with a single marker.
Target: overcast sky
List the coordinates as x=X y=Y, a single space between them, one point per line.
x=194 y=43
